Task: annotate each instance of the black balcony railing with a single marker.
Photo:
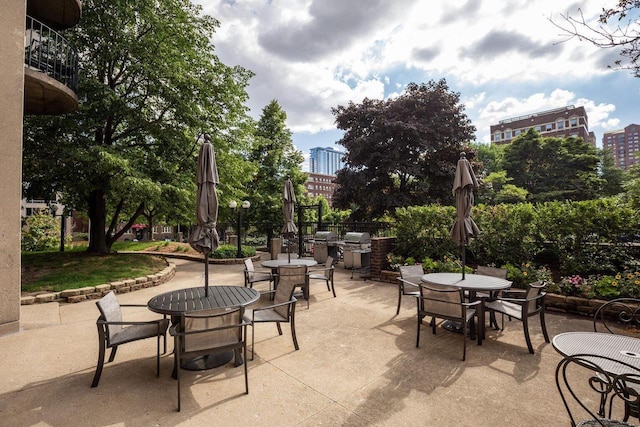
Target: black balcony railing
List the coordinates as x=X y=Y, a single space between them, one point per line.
x=47 y=51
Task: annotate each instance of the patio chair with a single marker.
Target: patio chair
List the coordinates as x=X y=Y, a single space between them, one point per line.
x=620 y=316
x=113 y=331
x=208 y=333
x=448 y=303
x=283 y=309
x=252 y=276
x=325 y=274
x=500 y=273
x=297 y=274
x=530 y=303
x=580 y=378
x=409 y=282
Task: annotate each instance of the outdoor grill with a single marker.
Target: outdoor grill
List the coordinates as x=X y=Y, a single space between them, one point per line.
x=325 y=245
x=357 y=252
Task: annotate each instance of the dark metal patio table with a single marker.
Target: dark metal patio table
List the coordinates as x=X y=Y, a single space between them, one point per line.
x=192 y=300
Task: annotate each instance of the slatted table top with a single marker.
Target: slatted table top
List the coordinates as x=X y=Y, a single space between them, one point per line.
x=191 y=300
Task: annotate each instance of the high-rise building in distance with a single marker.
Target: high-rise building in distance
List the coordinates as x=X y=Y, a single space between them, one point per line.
x=560 y=122
x=623 y=143
x=325 y=161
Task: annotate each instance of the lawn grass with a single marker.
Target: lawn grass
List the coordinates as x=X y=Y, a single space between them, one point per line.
x=75 y=268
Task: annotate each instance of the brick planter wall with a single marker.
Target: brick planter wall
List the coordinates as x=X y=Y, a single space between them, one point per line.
x=380 y=247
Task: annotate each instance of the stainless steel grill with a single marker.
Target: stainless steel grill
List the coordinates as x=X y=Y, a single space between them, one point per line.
x=357 y=252
x=325 y=245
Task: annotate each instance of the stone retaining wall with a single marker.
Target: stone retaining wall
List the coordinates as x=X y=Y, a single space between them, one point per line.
x=96 y=292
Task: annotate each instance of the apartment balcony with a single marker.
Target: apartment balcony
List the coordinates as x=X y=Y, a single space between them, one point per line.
x=51 y=71
x=58 y=14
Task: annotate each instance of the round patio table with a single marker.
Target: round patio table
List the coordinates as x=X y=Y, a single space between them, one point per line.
x=600 y=344
x=273 y=264
x=472 y=283
x=191 y=300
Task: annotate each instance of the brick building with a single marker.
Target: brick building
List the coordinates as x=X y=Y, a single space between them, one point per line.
x=623 y=143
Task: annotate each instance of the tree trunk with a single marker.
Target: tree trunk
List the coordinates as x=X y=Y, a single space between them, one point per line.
x=97 y=205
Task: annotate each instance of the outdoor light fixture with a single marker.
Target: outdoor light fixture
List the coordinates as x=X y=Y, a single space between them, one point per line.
x=234 y=206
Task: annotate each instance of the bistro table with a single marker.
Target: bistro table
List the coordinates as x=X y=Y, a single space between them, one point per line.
x=600 y=344
x=191 y=300
x=472 y=283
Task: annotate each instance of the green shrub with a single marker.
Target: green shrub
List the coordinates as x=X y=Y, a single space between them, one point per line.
x=230 y=251
x=41 y=232
x=448 y=264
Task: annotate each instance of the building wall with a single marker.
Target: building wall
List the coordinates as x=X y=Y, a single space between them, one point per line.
x=325 y=161
x=321 y=185
x=12 y=21
x=624 y=145
x=561 y=122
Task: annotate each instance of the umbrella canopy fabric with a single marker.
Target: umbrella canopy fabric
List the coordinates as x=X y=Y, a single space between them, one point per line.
x=205 y=238
x=289 y=200
x=463 y=186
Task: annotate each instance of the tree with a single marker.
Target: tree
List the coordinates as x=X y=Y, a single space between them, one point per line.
x=623 y=36
x=149 y=84
x=553 y=168
x=274 y=157
x=612 y=175
x=402 y=151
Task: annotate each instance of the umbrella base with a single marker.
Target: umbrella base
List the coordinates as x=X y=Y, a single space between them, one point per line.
x=452 y=326
x=208 y=361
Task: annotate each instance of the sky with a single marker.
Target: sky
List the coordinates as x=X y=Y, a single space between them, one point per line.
x=506 y=59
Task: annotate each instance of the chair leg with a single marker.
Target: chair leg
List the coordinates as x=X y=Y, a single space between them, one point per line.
x=525 y=326
x=101 y=351
x=464 y=340
x=333 y=287
x=543 y=324
x=177 y=353
x=279 y=328
x=246 y=375
x=253 y=348
x=293 y=333
x=418 y=331
x=158 y=358
x=399 y=299
x=113 y=353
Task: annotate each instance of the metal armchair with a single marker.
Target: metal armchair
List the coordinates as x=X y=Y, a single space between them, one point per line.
x=208 y=333
x=448 y=303
x=325 y=274
x=409 y=282
x=252 y=276
x=113 y=331
x=528 y=303
x=283 y=309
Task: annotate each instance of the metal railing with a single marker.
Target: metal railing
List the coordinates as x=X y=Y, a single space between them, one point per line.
x=46 y=50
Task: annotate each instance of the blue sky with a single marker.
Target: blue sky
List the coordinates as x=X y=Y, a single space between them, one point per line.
x=505 y=58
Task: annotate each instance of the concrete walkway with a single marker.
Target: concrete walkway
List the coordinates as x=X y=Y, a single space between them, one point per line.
x=357 y=366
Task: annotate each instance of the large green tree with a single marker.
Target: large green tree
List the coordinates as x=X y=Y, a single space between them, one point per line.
x=149 y=84
x=401 y=151
x=553 y=168
x=275 y=157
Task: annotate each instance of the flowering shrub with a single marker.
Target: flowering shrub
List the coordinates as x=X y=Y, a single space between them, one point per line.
x=396 y=261
x=606 y=287
x=448 y=264
x=527 y=273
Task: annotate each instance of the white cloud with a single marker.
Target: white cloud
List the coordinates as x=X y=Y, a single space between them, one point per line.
x=312 y=55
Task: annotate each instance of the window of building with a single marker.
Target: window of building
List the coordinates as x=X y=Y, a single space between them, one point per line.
x=573 y=122
x=560 y=124
x=538 y=128
x=517 y=132
x=507 y=134
x=548 y=127
x=496 y=137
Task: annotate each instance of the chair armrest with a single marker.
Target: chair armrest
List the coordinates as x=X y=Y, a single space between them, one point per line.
x=133 y=305
x=519 y=300
x=407 y=282
x=148 y=322
x=292 y=300
x=471 y=304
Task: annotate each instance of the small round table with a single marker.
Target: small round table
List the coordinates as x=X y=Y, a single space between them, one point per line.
x=192 y=300
x=617 y=347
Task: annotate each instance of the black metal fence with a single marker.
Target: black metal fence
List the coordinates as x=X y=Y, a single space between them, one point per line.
x=46 y=50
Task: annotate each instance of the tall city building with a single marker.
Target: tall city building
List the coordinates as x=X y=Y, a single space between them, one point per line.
x=623 y=143
x=560 y=122
x=325 y=161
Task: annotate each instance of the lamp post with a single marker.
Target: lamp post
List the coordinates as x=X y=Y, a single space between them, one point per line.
x=234 y=207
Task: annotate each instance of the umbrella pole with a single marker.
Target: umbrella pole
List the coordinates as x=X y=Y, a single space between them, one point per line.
x=206 y=274
x=288 y=251
x=464 y=252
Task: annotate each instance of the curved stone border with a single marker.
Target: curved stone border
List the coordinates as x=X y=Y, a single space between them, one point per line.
x=96 y=292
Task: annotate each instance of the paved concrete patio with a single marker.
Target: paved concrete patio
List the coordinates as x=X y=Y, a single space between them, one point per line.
x=357 y=366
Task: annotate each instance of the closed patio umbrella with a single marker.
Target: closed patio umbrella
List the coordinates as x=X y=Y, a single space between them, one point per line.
x=205 y=236
x=463 y=185
x=289 y=199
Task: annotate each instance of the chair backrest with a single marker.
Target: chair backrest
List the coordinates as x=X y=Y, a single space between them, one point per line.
x=110 y=311
x=248 y=266
x=492 y=271
x=533 y=291
x=619 y=316
x=211 y=329
x=411 y=273
x=328 y=267
x=442 y=301
x=289 y=277
x=586 y=381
